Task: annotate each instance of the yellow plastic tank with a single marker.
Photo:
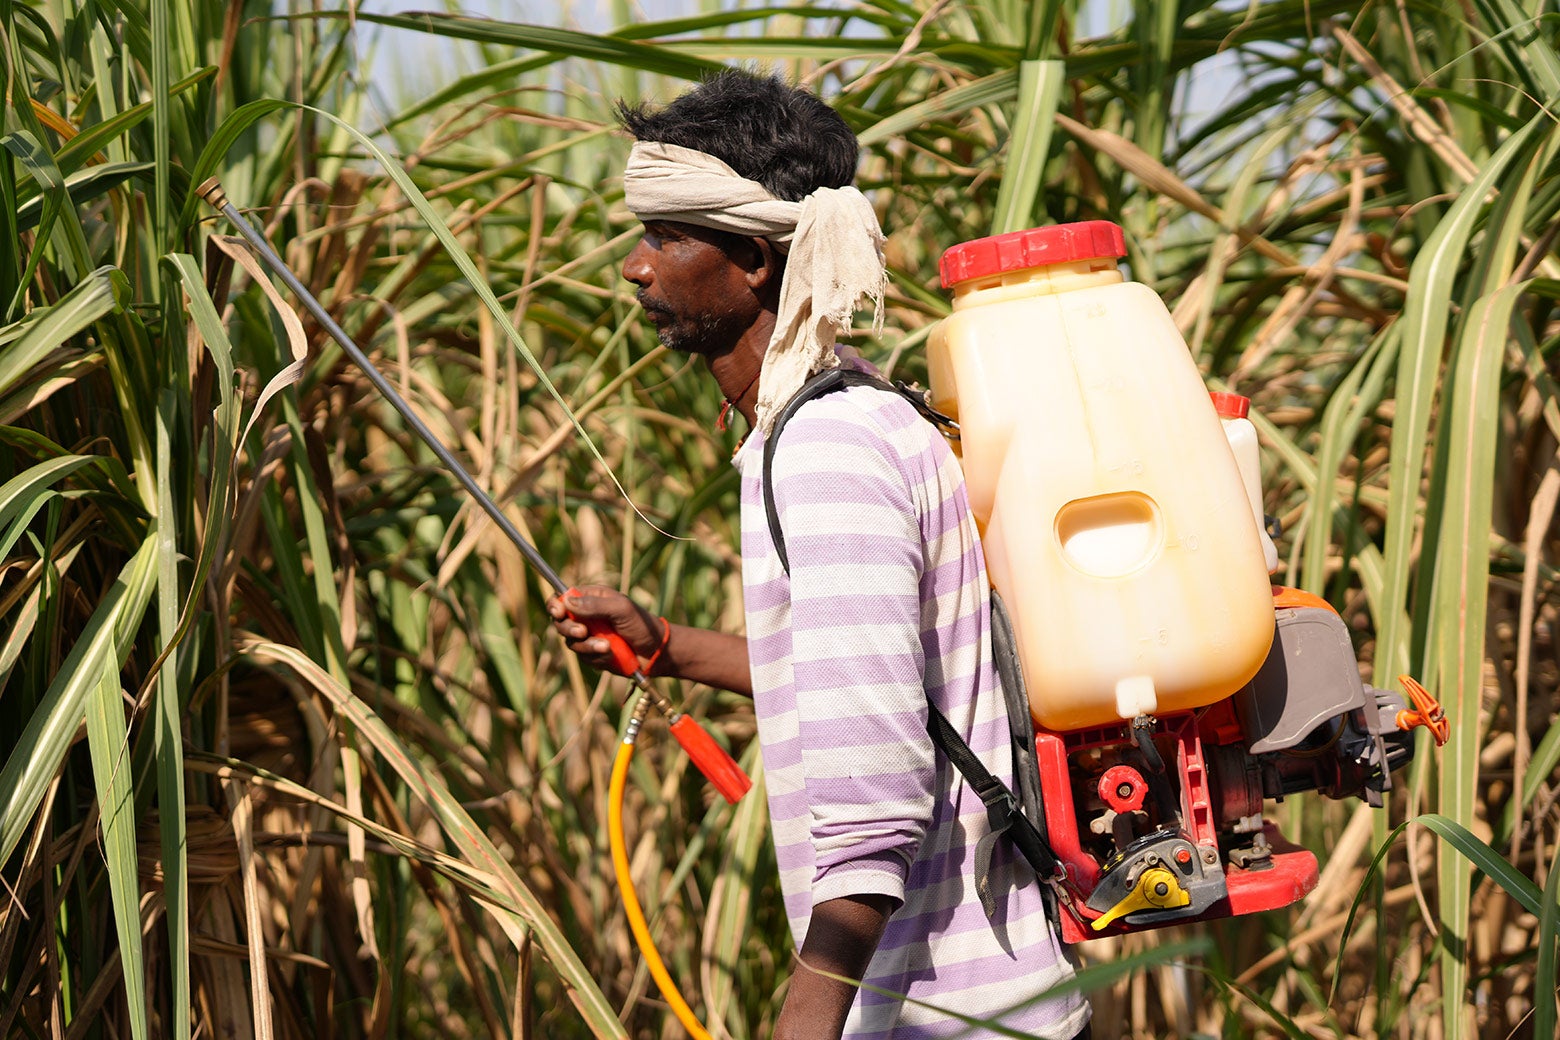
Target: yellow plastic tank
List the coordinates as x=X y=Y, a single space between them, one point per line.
x=1115 y=523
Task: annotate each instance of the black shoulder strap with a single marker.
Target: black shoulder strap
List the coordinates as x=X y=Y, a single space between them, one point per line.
x=827 y=381
x=1026 y=766
x=1003 y=810
x=1021 y=730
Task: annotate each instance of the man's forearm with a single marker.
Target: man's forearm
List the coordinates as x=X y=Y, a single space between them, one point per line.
x=703 y=656
x=841 y=939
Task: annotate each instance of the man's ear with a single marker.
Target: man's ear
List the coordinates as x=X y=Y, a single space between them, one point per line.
x=766 y=267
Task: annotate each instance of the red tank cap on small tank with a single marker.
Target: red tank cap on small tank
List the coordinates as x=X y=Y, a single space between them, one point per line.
x=1230 y=406
x=1036 y=247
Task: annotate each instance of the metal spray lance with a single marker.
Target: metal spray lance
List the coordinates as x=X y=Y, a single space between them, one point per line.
x=717 y=766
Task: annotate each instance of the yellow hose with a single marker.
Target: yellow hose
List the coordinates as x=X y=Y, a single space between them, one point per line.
x=636 y=916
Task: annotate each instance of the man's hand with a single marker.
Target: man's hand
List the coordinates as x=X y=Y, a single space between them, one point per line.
x=640 y=629
x=696 y=654
x=841 y=939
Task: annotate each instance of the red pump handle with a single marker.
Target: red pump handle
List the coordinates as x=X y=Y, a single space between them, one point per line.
x=718 y=767
x=622 y=654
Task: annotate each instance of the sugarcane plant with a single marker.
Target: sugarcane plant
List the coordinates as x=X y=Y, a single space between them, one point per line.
x=285 y=749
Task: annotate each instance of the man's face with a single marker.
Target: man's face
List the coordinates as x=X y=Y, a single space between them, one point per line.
x=696 y=295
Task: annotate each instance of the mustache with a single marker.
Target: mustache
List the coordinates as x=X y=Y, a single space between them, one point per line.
x=649 y=305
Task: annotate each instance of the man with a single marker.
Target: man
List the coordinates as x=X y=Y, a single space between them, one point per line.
x=755 y=254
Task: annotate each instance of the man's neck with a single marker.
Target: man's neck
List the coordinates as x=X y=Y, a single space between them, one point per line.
x=736 y=370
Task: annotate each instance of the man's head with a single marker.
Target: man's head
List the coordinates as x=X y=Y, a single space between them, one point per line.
x=704 y=287
x=757 y=249
x=784 y=138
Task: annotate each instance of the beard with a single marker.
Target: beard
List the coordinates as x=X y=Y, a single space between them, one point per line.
x=704 y=334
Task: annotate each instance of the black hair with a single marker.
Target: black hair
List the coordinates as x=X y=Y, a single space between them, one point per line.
x=782 y=137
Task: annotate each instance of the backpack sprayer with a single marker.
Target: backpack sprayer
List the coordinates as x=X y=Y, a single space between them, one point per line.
x=717 y=766
x=1171 y=687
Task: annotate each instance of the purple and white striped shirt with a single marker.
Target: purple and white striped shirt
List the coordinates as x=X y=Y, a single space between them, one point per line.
x=886 y=607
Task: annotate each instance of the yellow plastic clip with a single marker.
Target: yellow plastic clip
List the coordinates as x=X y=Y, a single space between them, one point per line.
x=1156 y=888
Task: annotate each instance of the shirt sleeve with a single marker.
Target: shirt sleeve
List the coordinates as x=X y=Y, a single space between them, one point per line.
x=852 y=532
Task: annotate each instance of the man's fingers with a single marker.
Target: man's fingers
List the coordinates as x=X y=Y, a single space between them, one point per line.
x=592 y=605
x=610 y=606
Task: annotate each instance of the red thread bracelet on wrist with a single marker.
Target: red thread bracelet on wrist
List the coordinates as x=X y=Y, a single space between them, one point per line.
x=666 y=637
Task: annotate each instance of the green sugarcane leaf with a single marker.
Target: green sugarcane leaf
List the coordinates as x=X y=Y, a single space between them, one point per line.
x=1462 y=504
x=997 y=88
x=167 y=715
x=1019 y=198
x=162 y=132
x=1367 y=558
x=93 y=139
x=1485 y=859
x=1546 y=756
x=24 y=494
x=41 y=748
x=1519 y=36
x=804 y=48
x=82 y=185
x=222 y=140
x=550 y=40
x=1431 y=288
x=108 y=741
x=1356 y=396
x=175 y=619
x=726 y=927
x=37 y=161
x=1546 y=987
x=29 y=613
x=1283 y=1021
x=101 y=293
x=495 y=76
x=709 y=21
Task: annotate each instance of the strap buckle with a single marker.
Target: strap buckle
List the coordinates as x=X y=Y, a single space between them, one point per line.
x=1001 y=808
x=920 y=400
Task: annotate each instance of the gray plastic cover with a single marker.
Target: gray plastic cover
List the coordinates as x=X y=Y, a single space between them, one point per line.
x=1309 y=676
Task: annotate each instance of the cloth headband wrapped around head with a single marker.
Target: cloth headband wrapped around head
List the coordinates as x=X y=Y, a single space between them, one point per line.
x=832 y=242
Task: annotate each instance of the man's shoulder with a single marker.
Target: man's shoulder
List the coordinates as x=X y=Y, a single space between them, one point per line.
x=864 y=412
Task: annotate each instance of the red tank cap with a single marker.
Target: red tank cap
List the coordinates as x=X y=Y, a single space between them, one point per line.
x=1230 y=406
x=1037 y=247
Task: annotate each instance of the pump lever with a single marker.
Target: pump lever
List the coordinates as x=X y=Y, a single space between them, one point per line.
x=600 y=628
x=719 y=768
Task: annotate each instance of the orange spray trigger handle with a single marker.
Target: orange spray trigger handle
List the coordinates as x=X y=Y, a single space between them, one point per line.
x=718 y=768
x=622 y=654
x=1427 y=712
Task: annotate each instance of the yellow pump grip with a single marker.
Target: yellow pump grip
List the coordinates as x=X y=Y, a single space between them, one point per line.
x=1156 y=888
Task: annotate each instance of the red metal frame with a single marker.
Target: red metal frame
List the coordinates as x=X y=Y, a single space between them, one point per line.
x=1292 y=872
x=1196 y=795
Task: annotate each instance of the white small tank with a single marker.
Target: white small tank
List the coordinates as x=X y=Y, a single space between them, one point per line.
x=1242 y=436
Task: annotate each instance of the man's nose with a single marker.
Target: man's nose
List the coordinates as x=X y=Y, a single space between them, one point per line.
x=636 y=265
